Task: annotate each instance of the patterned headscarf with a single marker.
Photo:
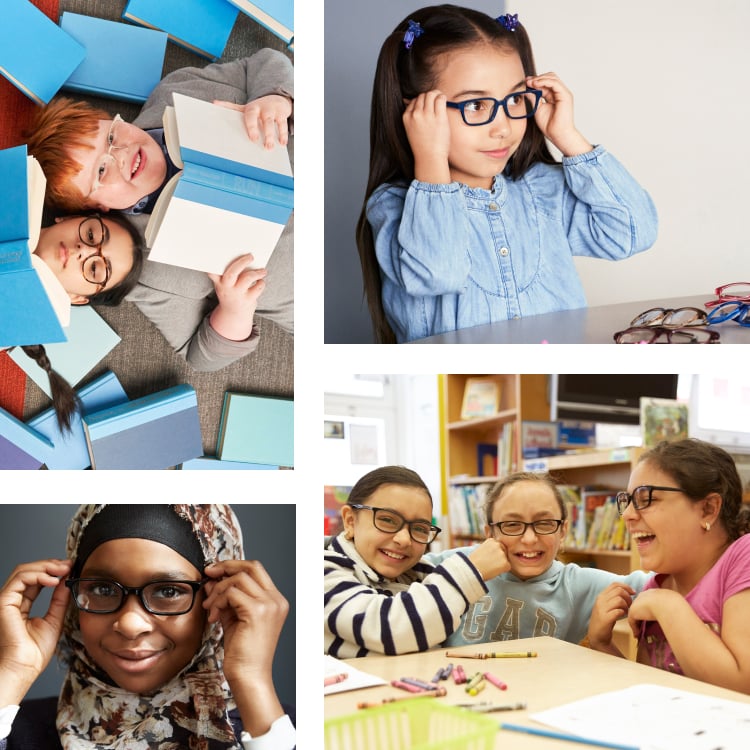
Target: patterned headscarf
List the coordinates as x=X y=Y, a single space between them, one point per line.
x=191 y=710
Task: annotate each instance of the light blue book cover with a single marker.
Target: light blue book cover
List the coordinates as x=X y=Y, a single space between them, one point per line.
x=202 y=26
x=21 y=447
x=122 y=61
x=69 y=449
x=36 y=55
x=90 y=339
x=256 y=429
x=156 y=431
x=276 y=15
x=211 y=463
x=27 y=316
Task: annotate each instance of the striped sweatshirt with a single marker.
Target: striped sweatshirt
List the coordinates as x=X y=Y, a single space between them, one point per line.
x=364 y=612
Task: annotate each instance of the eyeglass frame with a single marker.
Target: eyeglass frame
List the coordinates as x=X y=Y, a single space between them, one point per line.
x=126 y=591
x=110 y=134
x=700 y=319
x=435 y=530
x=496 y=106
x=99 y=252
x=629 y=497
x=741 y=315
x=558 y=521
x=719 y=292
x=658 y=331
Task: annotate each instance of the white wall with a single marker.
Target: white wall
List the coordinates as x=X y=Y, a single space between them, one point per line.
x=662 y=85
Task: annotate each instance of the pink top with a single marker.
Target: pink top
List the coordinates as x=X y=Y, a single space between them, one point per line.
x=729 y=576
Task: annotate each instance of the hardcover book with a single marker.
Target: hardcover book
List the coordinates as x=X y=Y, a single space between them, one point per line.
x=69 y=449
x=276 y=15
x=34 y=307
x=36 y=55
x=90 y=339
x=663 y=419
x=21 y=447
x=202 y=26
x=157 y=431
x=233 y=195
x=256 y=429
x=122 y=61
x=211 y=463
x=481 y=398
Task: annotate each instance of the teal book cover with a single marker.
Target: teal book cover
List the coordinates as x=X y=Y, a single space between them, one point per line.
x=276 y=15
x=21 y=447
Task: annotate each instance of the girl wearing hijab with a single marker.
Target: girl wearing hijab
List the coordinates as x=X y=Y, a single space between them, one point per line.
x=168 y=635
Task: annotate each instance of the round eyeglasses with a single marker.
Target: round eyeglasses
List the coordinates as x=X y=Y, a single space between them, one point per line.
x=102 y=597
x=96 y=269
x=667 y=317
x=641 y=497
x=665 y=335
x=106 y=171
x=519 y=105
x=543 y=526
x=390 y=522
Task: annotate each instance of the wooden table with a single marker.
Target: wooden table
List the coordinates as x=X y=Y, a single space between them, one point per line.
x=561 y=673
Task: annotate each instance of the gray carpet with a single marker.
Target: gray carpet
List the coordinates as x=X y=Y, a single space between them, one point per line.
x=143 y=361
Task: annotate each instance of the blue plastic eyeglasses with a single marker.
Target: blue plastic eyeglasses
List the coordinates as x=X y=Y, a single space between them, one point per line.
x=730 y=310
x=519 y=105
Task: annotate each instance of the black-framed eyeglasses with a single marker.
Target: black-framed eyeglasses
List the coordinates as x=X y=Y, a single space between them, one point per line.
x=391 y=522
x=641 y=497
x=667 y=317
x=103 y=597
x=664 y=335
x=517 y=106
x=543 y=526
x=96 y=269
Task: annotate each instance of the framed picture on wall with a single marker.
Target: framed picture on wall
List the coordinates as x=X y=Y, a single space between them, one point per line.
x=333 y=430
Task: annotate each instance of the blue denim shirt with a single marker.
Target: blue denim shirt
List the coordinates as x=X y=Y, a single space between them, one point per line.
x=452 y=256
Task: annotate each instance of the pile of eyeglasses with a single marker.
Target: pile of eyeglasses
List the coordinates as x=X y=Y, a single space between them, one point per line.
x=664 y=325
x=732 y=303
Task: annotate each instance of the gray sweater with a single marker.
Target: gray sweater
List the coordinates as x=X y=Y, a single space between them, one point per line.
x=179 y=300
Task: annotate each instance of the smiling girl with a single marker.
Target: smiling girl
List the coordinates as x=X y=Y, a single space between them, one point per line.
x=684 y=509
x=467 y=218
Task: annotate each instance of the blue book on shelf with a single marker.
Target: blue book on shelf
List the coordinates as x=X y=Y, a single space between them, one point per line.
x=36 y=55
x=211 y=463
x=21 y=447
x=122 y=61
x=202 y=26
x=276 y=15
x=229 y=189
x=69 y=449
x=157 y=431
x=90 y=339
x=34 y=307
x=256 y=429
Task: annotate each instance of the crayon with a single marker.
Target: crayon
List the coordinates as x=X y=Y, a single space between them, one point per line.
x=406 y=686
x=439 y=693
x=419 y=683
x=447 y=671
x=485 y=707
x=502 y=655
x=459 y=676
x=334 y=678
x=477 y=688
x=438 y=676
x=495 y=681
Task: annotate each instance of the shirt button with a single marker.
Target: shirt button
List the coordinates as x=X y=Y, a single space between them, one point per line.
x=493 y=206
x=504 y=251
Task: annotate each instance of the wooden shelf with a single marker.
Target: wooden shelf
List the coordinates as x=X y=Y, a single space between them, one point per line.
x=482 y=423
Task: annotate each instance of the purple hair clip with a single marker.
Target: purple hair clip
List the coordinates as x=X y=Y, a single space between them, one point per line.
x=414 y=31
x=509 y=22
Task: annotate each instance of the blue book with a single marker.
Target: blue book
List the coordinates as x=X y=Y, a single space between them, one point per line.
x=36 y=55
x=256 y=429
x=34 y=307
x=202 y=26
x=21 y=447
x=157 y=431
x=69 y=449
x=229 y=189
x=211 y=463
x=276 y=15
x=122 y=61
x=90 y=339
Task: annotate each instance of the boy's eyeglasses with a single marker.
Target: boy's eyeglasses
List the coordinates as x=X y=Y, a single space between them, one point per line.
x=96 y=269
x=641 y=497
x=664 y=335
x=391 y=522
x=105 y=170
x=518 y=528
x=103 y=597
x=517 y=106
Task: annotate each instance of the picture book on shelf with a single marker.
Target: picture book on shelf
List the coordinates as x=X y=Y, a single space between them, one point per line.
x=276 y=15
x=202 y=26
x=256 y=429
x=34 y=306
x=157 y=431
x=481 y=398
x=90 y=339
x=36 y=55
x=232 y=196
x=663 y=419
x=21 y=447
x=122 y=61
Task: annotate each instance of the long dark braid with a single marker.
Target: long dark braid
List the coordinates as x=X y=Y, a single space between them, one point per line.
x=64 y=399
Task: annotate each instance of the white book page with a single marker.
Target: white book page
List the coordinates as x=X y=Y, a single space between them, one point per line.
x=354 y=680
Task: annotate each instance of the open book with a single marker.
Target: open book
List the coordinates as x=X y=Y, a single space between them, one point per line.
x=231 y=197
x=34 y=306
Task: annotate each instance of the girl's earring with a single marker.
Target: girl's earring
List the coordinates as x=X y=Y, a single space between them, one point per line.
x=707 y=526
